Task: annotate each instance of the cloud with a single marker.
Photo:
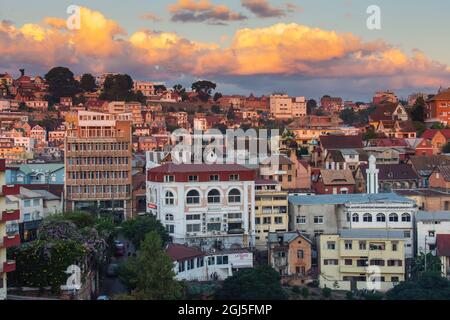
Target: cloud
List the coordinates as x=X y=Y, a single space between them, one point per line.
x=203 y=11
x=263 y=9
x=151 y=17
x=277 y=56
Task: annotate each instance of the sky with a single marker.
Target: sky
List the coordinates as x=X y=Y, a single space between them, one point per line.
x=301 y=47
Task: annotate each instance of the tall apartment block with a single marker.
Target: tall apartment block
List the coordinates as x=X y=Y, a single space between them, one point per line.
x=98 y=163
x=9 y=236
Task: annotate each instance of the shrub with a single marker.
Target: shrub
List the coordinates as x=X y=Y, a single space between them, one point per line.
x=349 y=295
x=326 y=292
x=305 y=292
x=373 y=296
x=296 y=289
x=314 y=284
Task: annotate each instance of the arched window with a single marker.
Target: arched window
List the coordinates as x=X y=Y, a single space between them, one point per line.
x=193 y=197
x=169 y=217
x=234 y=196
x=355 y=217
x=367 y=217
x=169 y=198
x=393 y=217
x=381 y=217
x=214 y=196
x=406 y=217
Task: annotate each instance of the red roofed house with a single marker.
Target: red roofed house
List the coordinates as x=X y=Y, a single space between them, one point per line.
x=437 y=108
x=440 y=177
x=438 y=138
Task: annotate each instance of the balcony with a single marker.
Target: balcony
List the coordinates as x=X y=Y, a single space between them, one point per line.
x=236 y=231
x=8 y=266
x=9 y=242
x=10 y=190
x=10 y=215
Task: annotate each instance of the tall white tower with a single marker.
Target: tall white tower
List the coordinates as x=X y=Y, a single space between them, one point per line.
x=372 y=176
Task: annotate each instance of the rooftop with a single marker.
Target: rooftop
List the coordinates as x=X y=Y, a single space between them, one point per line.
x=185 y=168
x=348 y=198
x=433 y=216
x=371 y=234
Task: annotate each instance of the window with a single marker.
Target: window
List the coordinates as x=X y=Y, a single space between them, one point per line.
x=362 y=245
x=27 y=203
x=377 y=246
x=169 y=178
x=301 y=219
x=234 y=177
x=170 y=228
x=222 y=260
x=214 y=196
x=281 y=254
x=257 y=220
x=193 y=227
x=393 y=217
x=361 y=263
x=193 y=197
x=234 y=196
x=278 y=220
x=318 y=233
x=35 y=202
x=394 y=246
x=348 y=262
x=355 y=217
x=169 y=198
x=190 y=264
x=381 y=217
x=267 y=220
x=300 y=254
x=407 y=234
x=395 y=279
x=200 y=262
x=331 y=245
x=214 y=177
x=348 y=245
x=367 y=217
x=406 y=217
x=181 y=266
x=395 y=263
x=318 y=219
x=330 y=262
x=377 y=262
x=193 y=178
x=211 y=261
x=169 y=217
x=214 y=226
x=193 y=217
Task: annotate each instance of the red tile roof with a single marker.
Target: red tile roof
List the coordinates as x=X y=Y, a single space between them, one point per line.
x=179 y=252
x=342 y=142
x=443 y=245
x=396 y=172
x=430 y=133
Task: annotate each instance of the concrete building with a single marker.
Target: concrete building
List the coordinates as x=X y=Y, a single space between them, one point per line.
x=191 y=264
x=271 y=211
x=209 y=206
x=283 y=107
x=428 y=226
x=362 y=259
x=290 y=253
x=98 y=164
x=9 y=237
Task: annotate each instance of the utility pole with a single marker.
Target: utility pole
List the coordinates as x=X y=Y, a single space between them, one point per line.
x=425 y=253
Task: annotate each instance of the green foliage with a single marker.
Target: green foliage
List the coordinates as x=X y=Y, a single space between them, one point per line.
x=149 y=276
x=428 y=286
x=311 y=105
x=420 y=128
x=120 y=88
x=136 y=229
x=305 y=293
x=373 y=296
x=204 y=89
x=370 y=134
x=314 y=284
x=217 y=96
x=349 y=295
x=446 y=148
x=261 y=283
x=61 y=83
x=326 y=292
x=197 y=291
x=216 y=109
x=43 y=263
x=418 y=111
x=433 y=264
x=438 y=126
x=296 y=289
x=87 y=83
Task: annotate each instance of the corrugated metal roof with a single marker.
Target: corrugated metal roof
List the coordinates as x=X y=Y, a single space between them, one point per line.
x=347 y=198
x=372 y=234
x=433 y=216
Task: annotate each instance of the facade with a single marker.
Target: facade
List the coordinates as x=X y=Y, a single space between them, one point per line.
x=210 y=206
x=283 y=107
x=9 y=214
x=362 y=259
x=290 y=253
x=36 y=173
x=428 y=226
x=98 y=164
x=437 y=108
x=191 y=264
x=271 y=211
x=333 y=182
x=279 y=168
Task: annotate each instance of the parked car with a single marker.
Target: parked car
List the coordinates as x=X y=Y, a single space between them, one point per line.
x=111 y=270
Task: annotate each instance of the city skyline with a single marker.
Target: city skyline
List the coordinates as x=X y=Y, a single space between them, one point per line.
x=245 y=46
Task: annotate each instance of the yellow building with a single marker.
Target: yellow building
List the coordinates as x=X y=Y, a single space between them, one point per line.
x=7 y=238
x=271 y=211
x=362 y=259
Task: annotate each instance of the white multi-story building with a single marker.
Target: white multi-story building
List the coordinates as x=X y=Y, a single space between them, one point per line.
x=284 y=107
x=428 y=226
x=209 y=206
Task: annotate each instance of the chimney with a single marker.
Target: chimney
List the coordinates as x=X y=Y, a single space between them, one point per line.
x=372 y=176
x=22 y=72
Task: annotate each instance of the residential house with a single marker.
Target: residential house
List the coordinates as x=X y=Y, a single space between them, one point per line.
x=440 y=177
x=427 y=199
x=36 y=173
x=425 y=165
x=429 y=225
x=333 y=182
x=437 y=108
x=438 y=138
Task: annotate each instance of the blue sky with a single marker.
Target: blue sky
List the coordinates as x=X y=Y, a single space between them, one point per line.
x=407 y=25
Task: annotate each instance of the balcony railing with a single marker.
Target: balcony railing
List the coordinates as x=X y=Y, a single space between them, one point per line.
x=10 y=190
x=8 y=266
x=10 y=215
x=9 y=242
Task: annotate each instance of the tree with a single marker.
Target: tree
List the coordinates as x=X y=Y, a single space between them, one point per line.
x=438 y=126
x=311 y=105
x=370 y=134
x=178 y=88
x=428 y=286
x=426 y=263
x=61 y=83
x=418 y=111
x=87 y=83
x=150 y=276
x=204 y=89
x=136 y=229
x=117 y=88
x=260 y=283
x=231 y=114
x=217 y=96
x=160 y=88
x=216 y=109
